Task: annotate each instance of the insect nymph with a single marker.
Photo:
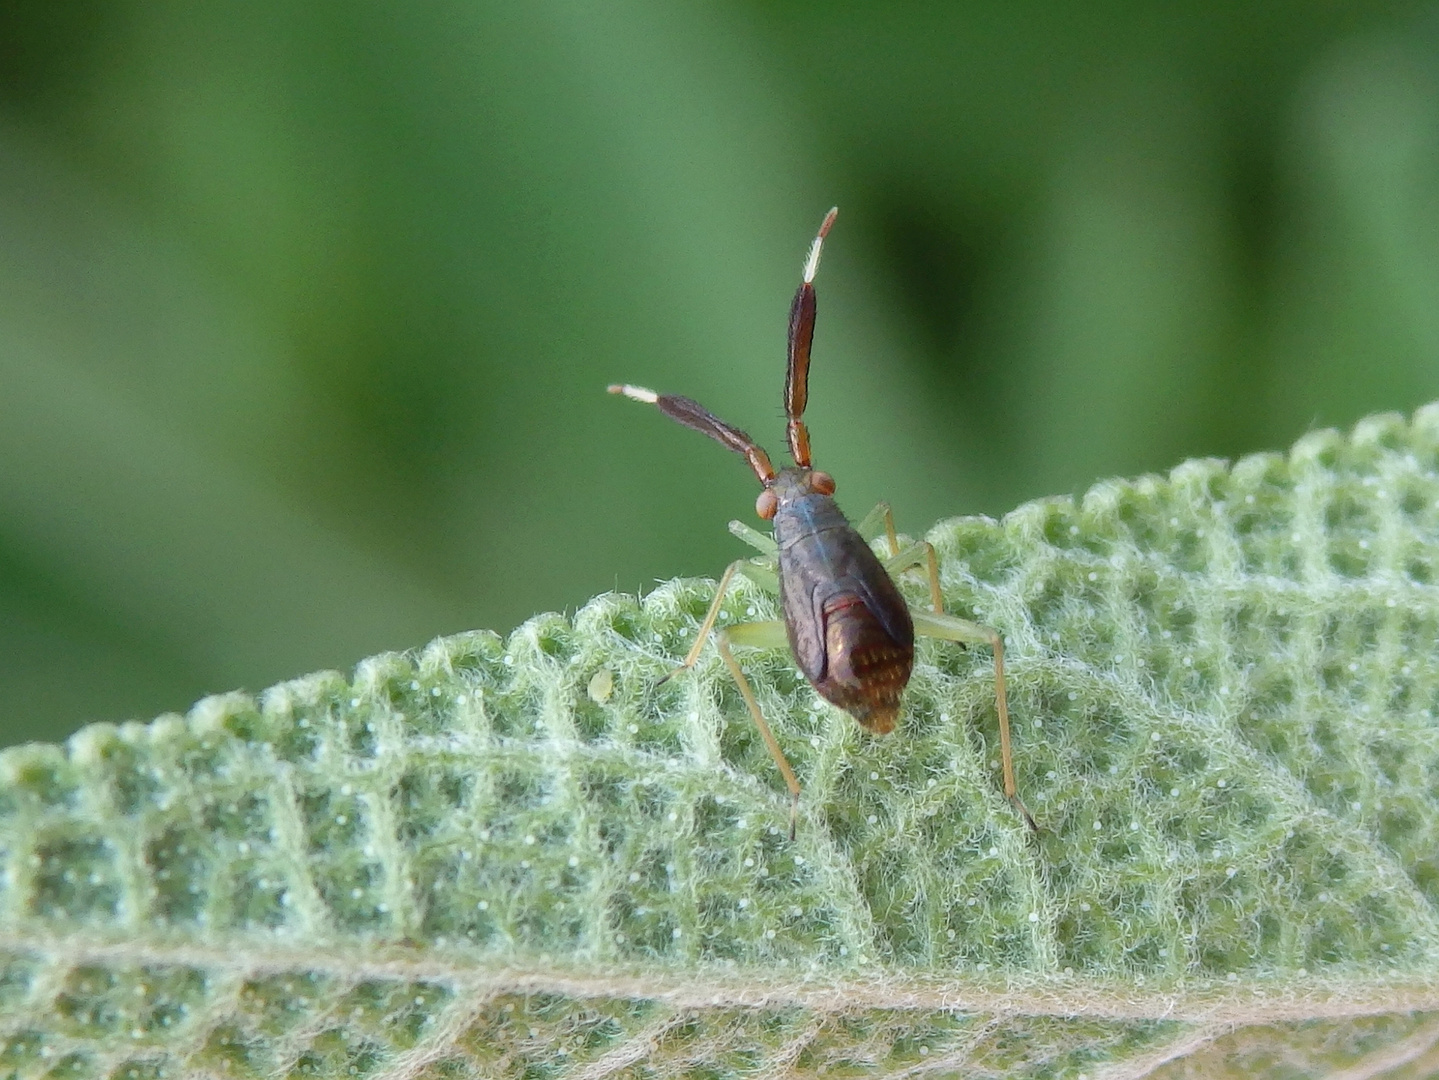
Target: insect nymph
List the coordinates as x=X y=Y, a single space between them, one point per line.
x=845 y=621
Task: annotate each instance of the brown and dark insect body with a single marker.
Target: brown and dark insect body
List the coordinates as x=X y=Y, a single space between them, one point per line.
x=850 y=630
x=848 y=626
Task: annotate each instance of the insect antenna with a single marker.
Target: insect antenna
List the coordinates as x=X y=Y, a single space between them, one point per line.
x=801 y=337
x=692 y=414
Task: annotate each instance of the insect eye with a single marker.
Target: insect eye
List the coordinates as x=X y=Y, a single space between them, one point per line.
x=822 y=482
x=767 y=503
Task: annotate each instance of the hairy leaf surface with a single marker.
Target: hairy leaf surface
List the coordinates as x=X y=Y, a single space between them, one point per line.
x=525 y=858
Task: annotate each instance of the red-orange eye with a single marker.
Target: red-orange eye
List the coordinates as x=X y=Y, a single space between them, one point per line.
x=821 y=482
x=767 y=503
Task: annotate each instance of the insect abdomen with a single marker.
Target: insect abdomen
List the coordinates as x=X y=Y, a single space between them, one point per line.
x=867 y=669
x=849 y=627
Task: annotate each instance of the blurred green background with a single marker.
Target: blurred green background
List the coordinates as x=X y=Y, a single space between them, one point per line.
x=307 y=310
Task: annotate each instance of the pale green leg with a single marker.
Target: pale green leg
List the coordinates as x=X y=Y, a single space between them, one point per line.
x=912 y=557
x=920 y=553
x=950 y=628
x=765 y=635
x=880 y=519
x=769 y=634
x=766 y=577
x=937 y=624
x=762 y=542
x=761 y=635
x=763 y=576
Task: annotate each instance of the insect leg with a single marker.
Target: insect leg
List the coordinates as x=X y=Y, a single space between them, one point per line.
x=869 y=526
x=765 y=635
x=761 y=576
x=761 y=542
x=910 y=558
x=950 y=628
x=920 y=553
x=766 y=576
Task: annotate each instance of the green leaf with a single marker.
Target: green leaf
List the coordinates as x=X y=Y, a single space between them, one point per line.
x=525 y=858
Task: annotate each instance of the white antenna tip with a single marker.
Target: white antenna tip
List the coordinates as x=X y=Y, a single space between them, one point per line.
x=811 y=262
x=634 y=393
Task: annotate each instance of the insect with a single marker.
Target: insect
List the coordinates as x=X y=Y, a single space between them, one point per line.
x=846 y=623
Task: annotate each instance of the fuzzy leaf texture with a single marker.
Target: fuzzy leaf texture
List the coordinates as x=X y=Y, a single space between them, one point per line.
x=523 y=858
